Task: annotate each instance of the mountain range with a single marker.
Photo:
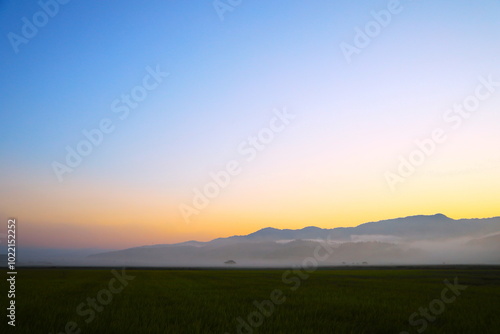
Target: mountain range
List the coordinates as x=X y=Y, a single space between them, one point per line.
x=434 y=239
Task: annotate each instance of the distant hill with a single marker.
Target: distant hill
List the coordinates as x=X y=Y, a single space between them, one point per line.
x=417 y=239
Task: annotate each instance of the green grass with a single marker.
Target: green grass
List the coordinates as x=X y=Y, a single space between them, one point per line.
x=209 y=301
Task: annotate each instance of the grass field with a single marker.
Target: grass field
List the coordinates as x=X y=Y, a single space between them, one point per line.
x=211 y=301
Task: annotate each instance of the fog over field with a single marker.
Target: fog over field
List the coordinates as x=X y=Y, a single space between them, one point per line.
x=434 y=239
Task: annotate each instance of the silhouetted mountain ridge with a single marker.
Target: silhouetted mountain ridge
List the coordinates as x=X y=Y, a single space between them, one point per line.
x=423 y=239
x=412 y=227
x=415 y=239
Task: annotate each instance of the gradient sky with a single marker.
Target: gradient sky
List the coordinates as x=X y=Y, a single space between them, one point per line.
x=353 y=120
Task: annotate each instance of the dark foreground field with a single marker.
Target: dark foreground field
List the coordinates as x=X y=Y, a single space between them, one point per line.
x=257 y=301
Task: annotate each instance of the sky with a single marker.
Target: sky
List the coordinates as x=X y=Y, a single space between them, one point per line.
x=308 y=113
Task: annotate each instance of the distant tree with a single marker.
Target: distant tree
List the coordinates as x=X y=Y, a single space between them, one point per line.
x=230 y=262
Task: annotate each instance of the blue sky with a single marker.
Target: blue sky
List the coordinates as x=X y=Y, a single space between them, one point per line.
x=225 y=79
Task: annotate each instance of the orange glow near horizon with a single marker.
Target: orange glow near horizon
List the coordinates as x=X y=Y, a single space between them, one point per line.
x=121 y=219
